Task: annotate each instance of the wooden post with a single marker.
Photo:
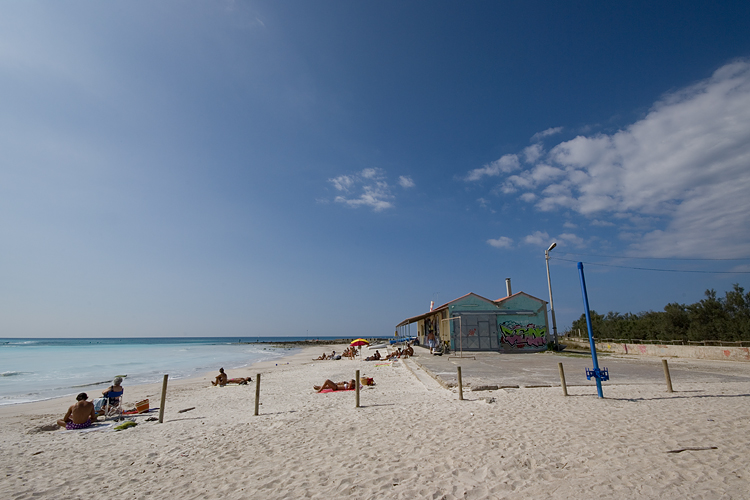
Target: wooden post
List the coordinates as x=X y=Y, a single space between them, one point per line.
x=666 y=375
x=460 y=386
x=257 y=393
x=163 y=399
x=562 y=379
x=356 y=385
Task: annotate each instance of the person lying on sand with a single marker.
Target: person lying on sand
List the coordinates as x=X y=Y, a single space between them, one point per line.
x=239 y=380
x=374 y=357
x=322 y=356
x=221 y=378
x=80 y=415
x=341 y=386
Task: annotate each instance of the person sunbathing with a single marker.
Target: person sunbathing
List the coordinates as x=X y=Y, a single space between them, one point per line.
x=239 y=380
x=221 y=378
x=374 y=357
x=322 y=356
x=395 y=354
x=80 y=415
x=340 y=386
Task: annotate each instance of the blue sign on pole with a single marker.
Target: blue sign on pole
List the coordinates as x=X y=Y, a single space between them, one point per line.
x=598 y=374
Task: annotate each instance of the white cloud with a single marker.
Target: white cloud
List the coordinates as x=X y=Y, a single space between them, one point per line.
x=570 y=225
x=342 y=182
x=370 y=173
x=537 y=238
x=684 y=168
x=543 y=239
x=501 y=242
x=571 y=239
x=504 y=165
x=367 y=188
x=405 y=182
x=546 y=133
x=533 y=153
x=602 y=223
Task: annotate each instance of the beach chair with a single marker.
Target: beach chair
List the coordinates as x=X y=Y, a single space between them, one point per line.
x=112 y=407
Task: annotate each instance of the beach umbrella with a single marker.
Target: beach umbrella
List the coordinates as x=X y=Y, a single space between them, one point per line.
x=358 y=343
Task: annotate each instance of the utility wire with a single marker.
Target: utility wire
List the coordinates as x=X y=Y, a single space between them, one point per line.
x=644 y=258
x=651 y=269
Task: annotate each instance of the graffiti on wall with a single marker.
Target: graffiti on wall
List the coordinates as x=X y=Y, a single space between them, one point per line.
x=520 y=336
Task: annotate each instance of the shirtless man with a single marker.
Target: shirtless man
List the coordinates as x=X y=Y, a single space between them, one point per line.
x=221 y=378
x=80 y=415
x=341 y=386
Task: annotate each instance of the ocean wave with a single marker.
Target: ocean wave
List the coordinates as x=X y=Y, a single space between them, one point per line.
x=13 y=374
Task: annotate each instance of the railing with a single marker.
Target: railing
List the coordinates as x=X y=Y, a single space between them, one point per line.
x=716 y=343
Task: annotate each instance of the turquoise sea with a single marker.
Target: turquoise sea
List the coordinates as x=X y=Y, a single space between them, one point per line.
x=37 y=369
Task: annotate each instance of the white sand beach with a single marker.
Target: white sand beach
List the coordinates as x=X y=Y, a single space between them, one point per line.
x=411 y=438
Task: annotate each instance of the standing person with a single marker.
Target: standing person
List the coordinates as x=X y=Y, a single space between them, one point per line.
x=79 y=415
x=221 y=378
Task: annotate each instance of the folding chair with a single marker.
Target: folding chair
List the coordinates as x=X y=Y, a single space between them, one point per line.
x=112 y=407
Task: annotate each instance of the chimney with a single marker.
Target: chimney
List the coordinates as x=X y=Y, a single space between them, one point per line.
x=432 y=305
x=507 y=286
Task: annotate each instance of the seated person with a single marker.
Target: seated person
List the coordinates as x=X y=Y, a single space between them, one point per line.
x=395 y=354
x=374 y=357
x=340 y=386
x=113 y=391
x=335 y=356
x=409 y=351
x=221 y=378
x=79 y=415
x=239 y=380
x=322 y=356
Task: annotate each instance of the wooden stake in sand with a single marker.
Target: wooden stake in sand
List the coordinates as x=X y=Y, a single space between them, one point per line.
x=257 y=393
x=163 y=399
x=460 y=386
x=356 y=388
x=562 y=379
x=666 y=375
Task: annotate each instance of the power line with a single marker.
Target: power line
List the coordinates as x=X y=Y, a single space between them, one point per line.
x=651 y=269
x=645 y=258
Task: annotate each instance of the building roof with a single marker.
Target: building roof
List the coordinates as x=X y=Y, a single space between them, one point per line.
x=436 y=310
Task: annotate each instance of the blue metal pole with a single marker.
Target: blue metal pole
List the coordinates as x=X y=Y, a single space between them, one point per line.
x=591 y=330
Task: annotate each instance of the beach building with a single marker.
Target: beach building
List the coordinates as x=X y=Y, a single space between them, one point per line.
x=515 y=323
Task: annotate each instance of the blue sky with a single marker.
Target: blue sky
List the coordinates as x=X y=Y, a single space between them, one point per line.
x=329 y=168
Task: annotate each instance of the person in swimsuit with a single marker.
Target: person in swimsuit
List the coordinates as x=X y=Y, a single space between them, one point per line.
x=341 y=386
x=221 y=378
x=80 y=415
x=239 y=380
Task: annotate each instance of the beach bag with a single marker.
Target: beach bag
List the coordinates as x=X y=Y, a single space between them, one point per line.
x=141 y=406
x=366 y=381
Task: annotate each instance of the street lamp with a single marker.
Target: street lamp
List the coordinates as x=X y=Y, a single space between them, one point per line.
x=551 y=303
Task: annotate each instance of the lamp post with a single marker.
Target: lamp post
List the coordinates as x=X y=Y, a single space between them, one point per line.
x=551 y=303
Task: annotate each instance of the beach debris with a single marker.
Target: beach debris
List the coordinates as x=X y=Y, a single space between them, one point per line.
x=37 y=453
x=151 y=419
x=488 y=399
x=694 y=449
x=484 y=388
x=125 y=425
x=187 y=409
